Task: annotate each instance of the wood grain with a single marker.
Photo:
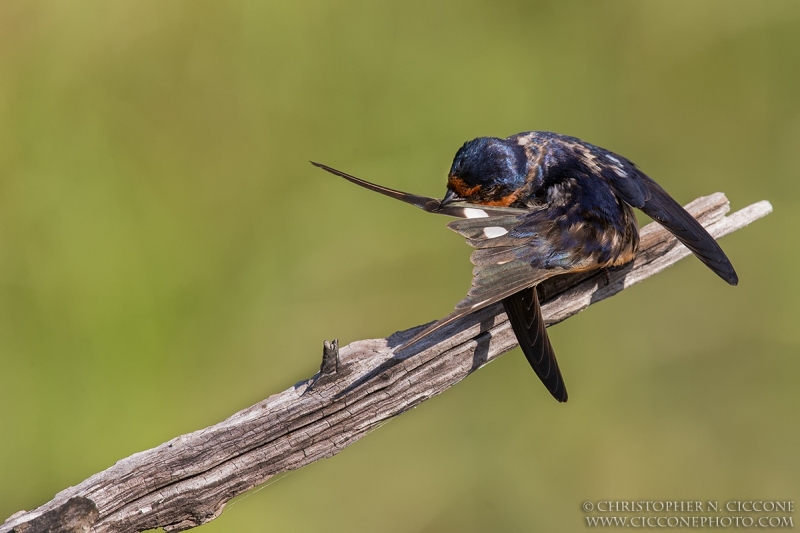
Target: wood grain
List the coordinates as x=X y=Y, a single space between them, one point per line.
x=187 y=481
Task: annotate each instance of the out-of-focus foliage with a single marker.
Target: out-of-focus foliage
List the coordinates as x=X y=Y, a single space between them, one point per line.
x=168 y=256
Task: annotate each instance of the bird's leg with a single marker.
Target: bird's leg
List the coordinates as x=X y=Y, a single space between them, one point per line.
x=606 y=275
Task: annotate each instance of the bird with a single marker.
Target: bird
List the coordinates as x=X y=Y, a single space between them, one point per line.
x=540 y=204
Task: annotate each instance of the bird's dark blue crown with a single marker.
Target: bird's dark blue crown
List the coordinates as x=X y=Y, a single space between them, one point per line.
x=497 y=166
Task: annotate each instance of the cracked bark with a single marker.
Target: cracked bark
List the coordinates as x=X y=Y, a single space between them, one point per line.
x=187 y=481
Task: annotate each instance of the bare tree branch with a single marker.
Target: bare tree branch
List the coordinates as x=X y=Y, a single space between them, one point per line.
x=187 y=481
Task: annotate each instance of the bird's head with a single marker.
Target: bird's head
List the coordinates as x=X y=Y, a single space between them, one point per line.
x=487 y=171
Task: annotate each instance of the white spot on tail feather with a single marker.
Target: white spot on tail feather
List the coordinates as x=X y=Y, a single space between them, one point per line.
x=494 y=231
x=470 y=212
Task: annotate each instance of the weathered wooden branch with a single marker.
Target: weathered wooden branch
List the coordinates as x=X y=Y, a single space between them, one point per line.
x=187 y=481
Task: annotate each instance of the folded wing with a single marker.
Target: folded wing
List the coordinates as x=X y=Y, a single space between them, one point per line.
x=662 y=208
x=639 y=190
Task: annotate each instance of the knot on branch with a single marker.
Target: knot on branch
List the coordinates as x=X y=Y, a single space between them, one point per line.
x=76 y=515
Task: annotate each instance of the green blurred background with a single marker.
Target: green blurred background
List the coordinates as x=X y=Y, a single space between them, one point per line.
x=168 y=256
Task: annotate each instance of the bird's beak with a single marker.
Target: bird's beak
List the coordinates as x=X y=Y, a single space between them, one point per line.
x=449 y=198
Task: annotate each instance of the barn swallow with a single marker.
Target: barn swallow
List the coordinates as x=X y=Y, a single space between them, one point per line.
x=540 y=204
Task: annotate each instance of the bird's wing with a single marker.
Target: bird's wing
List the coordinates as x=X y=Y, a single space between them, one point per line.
x=662 y=208
x=513 y=253
x=525 y=316
x=639 y=190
